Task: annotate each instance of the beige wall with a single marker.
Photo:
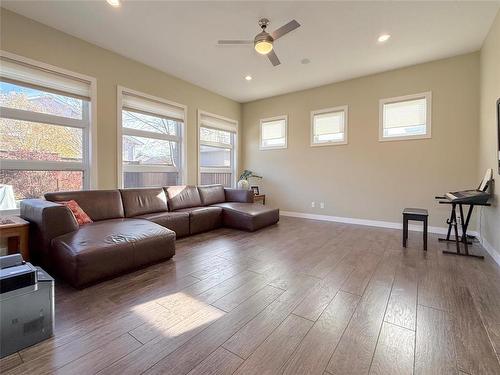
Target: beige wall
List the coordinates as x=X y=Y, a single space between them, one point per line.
x=365 y=179
x=488 y=157
x=368 y=179
x=31 y=39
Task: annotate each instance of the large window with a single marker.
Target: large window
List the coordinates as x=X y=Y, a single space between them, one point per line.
x=329 y=126
x=217 y=149
x=273 y=133
x=44 y=130
x=405 y=117
x=151 y=140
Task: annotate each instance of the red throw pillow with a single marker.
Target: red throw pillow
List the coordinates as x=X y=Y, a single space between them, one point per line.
x=79 y=214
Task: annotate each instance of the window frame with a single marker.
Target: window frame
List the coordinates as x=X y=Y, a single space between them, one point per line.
x=234 y=147
x=342 y=108
x=88 y=165
x=427 y=95
x=182 y=170
x=270 y=119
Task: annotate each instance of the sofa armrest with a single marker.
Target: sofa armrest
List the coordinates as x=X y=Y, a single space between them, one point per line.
x=238 y=195
x=47 y=221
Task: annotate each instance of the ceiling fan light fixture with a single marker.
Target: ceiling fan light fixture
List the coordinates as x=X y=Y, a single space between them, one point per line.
x=263 y=47
x=383 y=38
x=114 y=3
x=263 y=43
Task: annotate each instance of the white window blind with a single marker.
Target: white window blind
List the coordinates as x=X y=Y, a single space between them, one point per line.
x=136 y=103
x=30 y=75
x=406 y=117
x=273 y=133
x=216 y=122
x=329 y=126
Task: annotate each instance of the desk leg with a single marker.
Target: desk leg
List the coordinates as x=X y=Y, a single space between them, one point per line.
x=405 y=230
x=23 y=244
x=464 y=230
x=463 y=239
x=455 y=227
x=425 y=233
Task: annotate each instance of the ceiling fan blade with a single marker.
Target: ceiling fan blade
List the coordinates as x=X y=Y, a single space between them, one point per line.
x=223 y=42
x=273 y=58
x=285 y=29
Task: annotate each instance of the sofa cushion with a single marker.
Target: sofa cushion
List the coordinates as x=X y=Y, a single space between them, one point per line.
x=107 y=248
x=183 y=197
x=239 y=195
x=143 y=201
x=176 y=221
x=202 y=219
x=98 y=204
x=248 y=216
x=212 y=194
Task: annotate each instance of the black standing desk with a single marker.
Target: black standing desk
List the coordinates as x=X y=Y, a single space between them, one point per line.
x=453 y=224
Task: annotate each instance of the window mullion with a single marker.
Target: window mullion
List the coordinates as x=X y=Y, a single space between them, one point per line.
x=30 y=116
x=41 y=165
x=147 y=134
x=216 y=144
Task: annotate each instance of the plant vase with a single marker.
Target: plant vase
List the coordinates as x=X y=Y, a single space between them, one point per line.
x=243 y=185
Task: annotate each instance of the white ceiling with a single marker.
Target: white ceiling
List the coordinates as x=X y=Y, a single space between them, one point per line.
x=338 y=37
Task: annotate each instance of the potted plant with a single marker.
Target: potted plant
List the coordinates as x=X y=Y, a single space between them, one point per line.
x=243 y=180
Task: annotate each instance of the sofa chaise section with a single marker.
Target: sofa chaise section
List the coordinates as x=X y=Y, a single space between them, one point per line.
x=108 y=248
x=248 y=216
x=111 y=245
x=238 y=209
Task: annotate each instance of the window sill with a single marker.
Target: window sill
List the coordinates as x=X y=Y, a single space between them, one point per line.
x=404 y=138
x=340 y=143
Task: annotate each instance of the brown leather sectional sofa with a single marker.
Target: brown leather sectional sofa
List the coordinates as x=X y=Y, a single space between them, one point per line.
x=131 y=227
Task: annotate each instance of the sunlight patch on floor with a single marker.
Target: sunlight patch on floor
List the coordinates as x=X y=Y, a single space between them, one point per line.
x=172 y=316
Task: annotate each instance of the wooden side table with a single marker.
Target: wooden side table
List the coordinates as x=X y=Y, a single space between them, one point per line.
x=260 y=198
x=16 y=231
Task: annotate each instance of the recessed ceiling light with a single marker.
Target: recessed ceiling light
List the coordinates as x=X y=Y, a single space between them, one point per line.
x=383 y=38
x=114 y=3
x=248 y=78
x=305 y=61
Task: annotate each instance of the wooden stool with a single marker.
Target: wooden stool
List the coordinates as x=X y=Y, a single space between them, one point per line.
x=415 y=214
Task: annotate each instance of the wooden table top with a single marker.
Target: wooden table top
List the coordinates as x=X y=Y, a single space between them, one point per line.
x=12 y=222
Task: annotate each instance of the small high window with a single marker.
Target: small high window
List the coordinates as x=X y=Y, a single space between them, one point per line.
x=273 y=133
x=405 y=117
x=329 y=126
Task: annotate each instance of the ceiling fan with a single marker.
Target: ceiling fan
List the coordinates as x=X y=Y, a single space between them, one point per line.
x=263 y=41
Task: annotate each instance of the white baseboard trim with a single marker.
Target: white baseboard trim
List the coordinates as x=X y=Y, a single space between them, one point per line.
x=371 y=223
x=491 y=250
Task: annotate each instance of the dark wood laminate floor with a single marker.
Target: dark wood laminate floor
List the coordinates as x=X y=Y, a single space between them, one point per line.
x=301 y=297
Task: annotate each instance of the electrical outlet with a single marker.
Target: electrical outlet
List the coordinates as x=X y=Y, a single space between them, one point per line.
x=322 y=205
x=313 y=204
